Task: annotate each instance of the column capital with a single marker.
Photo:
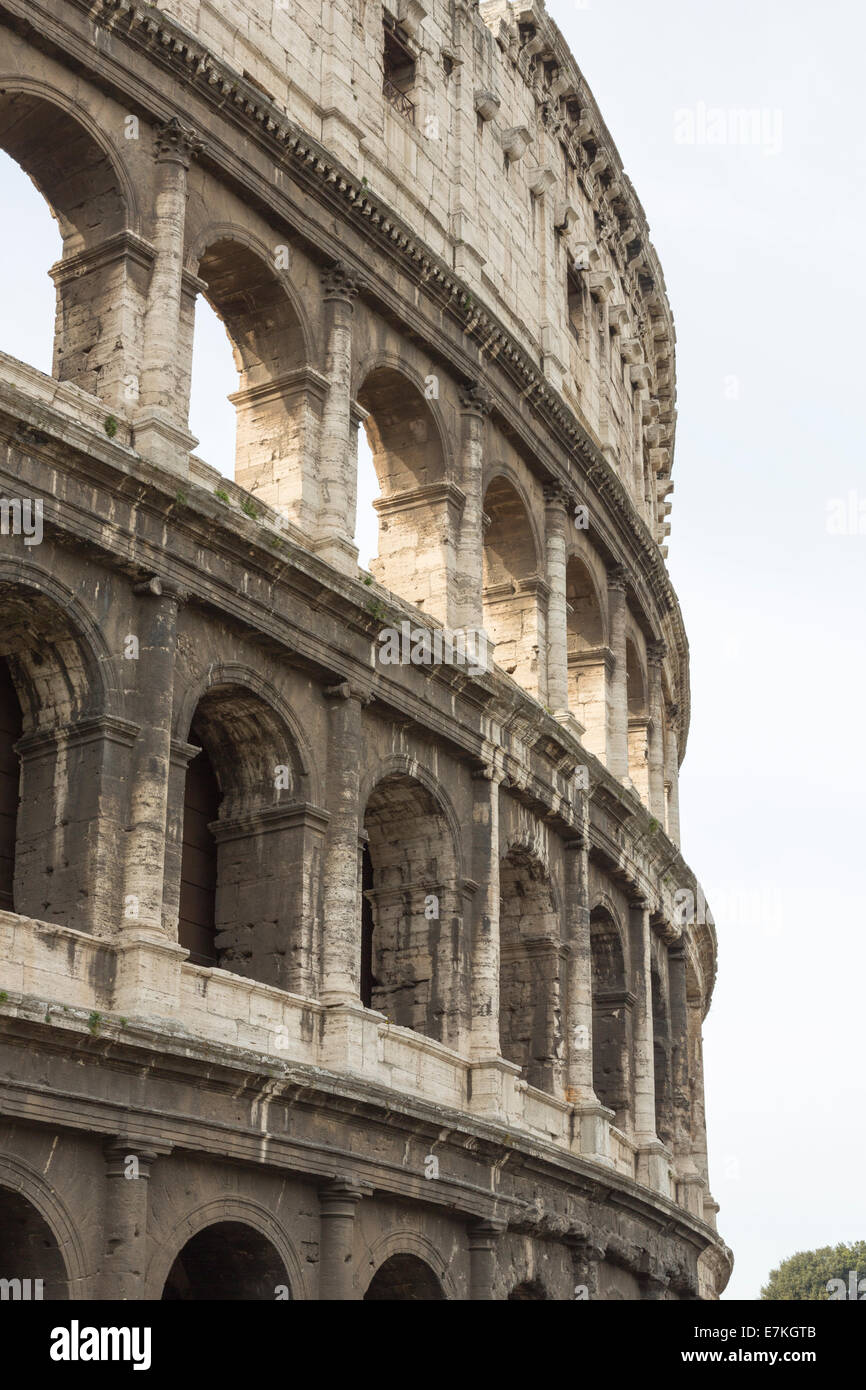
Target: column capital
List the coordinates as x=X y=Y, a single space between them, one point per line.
x=656 y=653
x=152 y=586
x=483 y=1235
x=342 y=1190
x=475 y=399
x=556 y=495
x=340 y=282
x=176 y=143
x=345 y=690
x=618 y=578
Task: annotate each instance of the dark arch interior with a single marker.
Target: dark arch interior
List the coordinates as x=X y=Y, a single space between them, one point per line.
x=71 y=171
x=404 y=440
x=28 y=1249
x=404 y=1278
x=228 y=1261
x=10 y=732
x=198 y=872
x=530 y=1291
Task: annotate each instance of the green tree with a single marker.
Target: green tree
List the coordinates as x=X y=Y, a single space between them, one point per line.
x=804 y=1277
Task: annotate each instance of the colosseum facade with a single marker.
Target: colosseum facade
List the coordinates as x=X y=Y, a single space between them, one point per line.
x=332 y=968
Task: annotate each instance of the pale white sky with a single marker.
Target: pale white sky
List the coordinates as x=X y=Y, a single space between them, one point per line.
x=760 y=245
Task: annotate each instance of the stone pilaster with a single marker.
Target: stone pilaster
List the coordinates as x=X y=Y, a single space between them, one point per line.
x=617 y=714
x=474 y=407
x=338 y=1202
x=483 y=1242
x=484 y=988
x=555 y=517
x=336 y=528
x=672 y=775
x=587 y=1254
x=656 y=652
x=644 y=1075
x=341 y=945
x=161 y=430
x=578 y=1050
x=127 y=1174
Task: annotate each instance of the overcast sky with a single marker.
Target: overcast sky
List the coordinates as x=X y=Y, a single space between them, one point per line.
x=760 y=243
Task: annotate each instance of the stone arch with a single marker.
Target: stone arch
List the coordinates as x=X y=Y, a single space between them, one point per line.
x=60 y=677
x=279 y=398
x=238 y=675
x=79 y=173
x=20 y=1180
x=588 y=655
x=410 y=1245
x=419 y=507
x=247 y=838
x=226 y=1212
x=612 y=1004
x=531 y=975
x=412 y=922
x=513 y=589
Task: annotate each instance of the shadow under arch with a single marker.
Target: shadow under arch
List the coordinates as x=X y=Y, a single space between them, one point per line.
x=513 y=583
x=419 y=506
x=412 y=907
x=531 y=975
x=612 y=1004
x=279 y=396
x=66 y=1275
x=84 y=181
x=272 y=1256
x=428 y=1267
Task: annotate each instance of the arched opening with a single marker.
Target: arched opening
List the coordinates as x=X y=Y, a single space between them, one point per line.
x=277 y=404
x=418 y=509
x=416 y=975
x=587 y=656
x=98 y=299
x=30 y=242
x=662 y=1068
x=638 y=723
x=612 y=1003
x=530 y=1291
x=404 y=1278
x=11 y=729
x=50 y=687
x=30 y=1257
x=228 y=1262
x=512 y=615
x=530 y=972
x=247 y=836
x=198 y=873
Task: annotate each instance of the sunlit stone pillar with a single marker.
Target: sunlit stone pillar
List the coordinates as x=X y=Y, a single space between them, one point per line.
x=484 y=984
x=161 y=430
x=474 y=407
x=655 y=660
x=555 y=518
x=341 y=946
x=672 y=774
x=617 y=715
x=337 y=457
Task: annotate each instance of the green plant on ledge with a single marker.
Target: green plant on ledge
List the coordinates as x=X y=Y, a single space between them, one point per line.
x=110 y=426
x=222 y=495
x=249 y=510
x=94 y=1022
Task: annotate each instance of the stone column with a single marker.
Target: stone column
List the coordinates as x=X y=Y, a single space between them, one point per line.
x=474 y=407
x=656 y=652
x=484 y=987
x=617 y=715
x=696 y=1076
x=337 y=1204
x=125 y=1261
x=161 y=431
x=644 y=1070
x=578 y=1050
x=587 y=1254
x=336 y=526
x=341 y=945
x=147 y=825
x=555 y=519
x=672 y=774
x=483 y=1240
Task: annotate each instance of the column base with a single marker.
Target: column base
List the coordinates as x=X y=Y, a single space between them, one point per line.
x=148 y=976
x=157 y=438
x=351 y=1036
x=594 y=1121
x=338 y=551
x=653 y=1165
x=494 y=1087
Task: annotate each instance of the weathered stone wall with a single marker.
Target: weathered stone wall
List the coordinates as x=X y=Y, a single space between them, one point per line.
x=444 y=900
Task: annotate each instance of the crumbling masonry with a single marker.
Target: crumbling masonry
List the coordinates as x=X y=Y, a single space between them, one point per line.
x=322 y=977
